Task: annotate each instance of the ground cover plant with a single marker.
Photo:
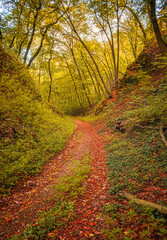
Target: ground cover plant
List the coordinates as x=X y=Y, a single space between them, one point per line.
x=136 y=153
x=136 y=165
x=30 y=133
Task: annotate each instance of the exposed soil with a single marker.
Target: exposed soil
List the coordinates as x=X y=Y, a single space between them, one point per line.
x=28 y=198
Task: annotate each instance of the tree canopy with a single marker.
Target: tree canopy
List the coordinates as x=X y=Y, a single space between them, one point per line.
x=78 y=51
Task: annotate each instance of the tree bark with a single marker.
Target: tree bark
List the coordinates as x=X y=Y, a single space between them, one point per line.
x=110 y=41
x=153 y=19
x=130 y=197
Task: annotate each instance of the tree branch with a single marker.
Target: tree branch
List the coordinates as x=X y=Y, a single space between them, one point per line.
x=130 y=197
x=163 y=135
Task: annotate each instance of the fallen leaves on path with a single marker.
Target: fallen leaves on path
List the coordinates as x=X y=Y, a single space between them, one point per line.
x=36 y=194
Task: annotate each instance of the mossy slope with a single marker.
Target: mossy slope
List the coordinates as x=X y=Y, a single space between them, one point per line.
x=30 y=133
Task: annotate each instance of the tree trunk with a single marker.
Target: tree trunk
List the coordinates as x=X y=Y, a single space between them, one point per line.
x=91 y=56
x=32 y=34
x=42 y=39
x=73 y=82
x=20 y=47
x=96 y=91
x=153 y=19
x=113 y=52
x=117 y=69
x=50 y=74
x=80 y=76
x=110 y=41
x=130 y=197
x=97 y=81
x=137 y=19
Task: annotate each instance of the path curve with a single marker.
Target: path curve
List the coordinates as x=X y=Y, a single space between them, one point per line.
x=28 y=199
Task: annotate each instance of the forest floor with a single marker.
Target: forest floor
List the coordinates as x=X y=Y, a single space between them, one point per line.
x=37 y=194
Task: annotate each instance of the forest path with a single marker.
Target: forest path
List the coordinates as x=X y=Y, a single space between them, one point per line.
x=23 y=206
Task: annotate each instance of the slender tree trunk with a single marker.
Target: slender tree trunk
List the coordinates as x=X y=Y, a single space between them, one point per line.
x=80 y=76
x=109 y=70
x=99 y=87
x=20 y=47
x=117 y=71
x=91 y=56
x=96 y=91
x=12 y=42
x=39 y=76
x=137 y=19
x=110 y=41
x=38 y=50
x=50 y=75
x=75 y=87
x=113 y=52
x=153 y=19
x=42 y=39
x=32 y=34
x=124 y=51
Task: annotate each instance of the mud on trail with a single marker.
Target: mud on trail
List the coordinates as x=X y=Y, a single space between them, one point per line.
x=22 y=207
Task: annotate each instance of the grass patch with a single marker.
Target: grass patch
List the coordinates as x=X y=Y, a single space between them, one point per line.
x=70 y=186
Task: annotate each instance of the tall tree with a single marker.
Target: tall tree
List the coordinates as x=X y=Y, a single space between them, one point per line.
x=153 y=19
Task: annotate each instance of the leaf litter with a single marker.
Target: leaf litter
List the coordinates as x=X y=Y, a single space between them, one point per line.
x=37 y=194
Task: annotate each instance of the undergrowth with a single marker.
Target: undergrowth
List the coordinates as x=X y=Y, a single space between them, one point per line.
x=30 y=133
x=66 y=190
x=137 y=159
x=137 y=164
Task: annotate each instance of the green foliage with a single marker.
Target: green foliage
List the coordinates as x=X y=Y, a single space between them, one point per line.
x=151 y=104
x=137 y=160
x=70 y=186
x=134 y=162
x=30 y=133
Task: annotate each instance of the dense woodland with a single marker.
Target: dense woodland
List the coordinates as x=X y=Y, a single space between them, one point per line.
x=105 y=60
x=77 y=51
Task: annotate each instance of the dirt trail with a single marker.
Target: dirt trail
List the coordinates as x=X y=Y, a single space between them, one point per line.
x=30 y=197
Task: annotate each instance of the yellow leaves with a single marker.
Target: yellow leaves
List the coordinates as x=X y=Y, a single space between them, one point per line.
x=126 y=232
x=51 y=234
x=91 y=235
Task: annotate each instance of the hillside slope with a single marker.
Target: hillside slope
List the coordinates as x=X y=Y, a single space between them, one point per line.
x=134 y=126
x=30 y=133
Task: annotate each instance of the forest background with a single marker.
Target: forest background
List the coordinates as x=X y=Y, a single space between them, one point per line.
x=77 y=51
x=66 y=58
